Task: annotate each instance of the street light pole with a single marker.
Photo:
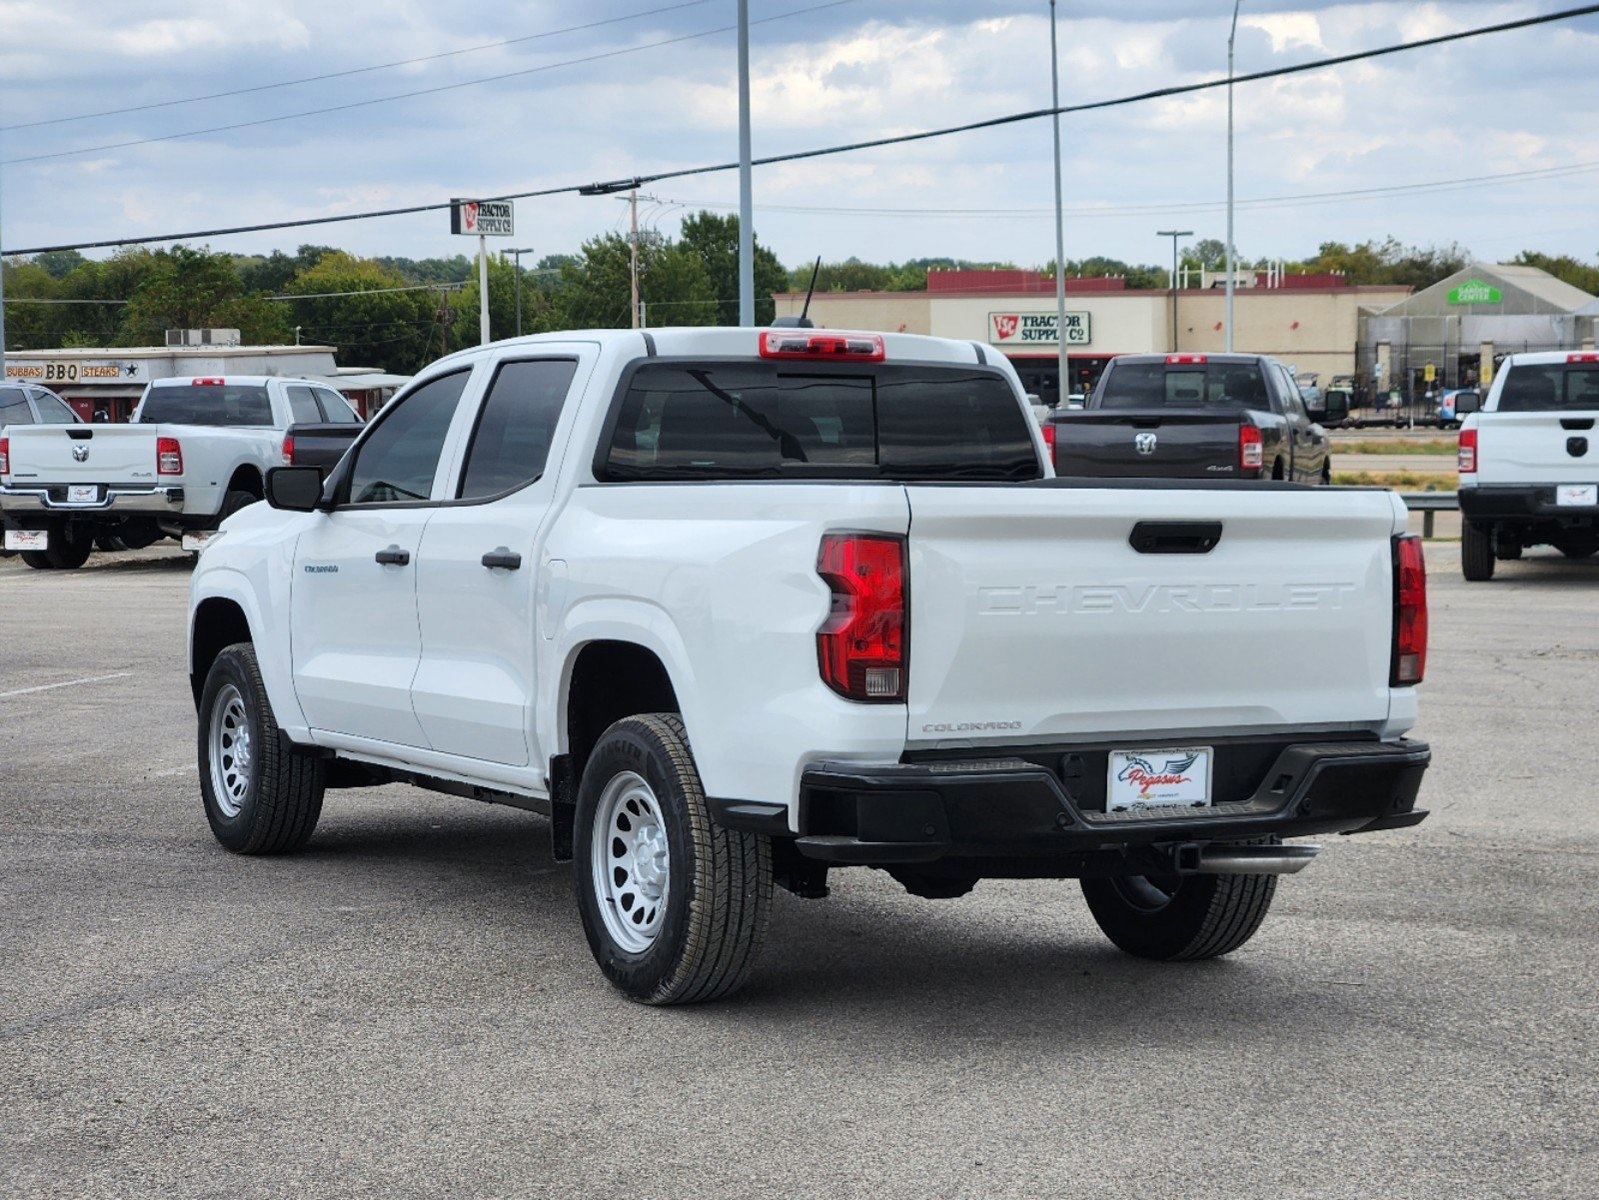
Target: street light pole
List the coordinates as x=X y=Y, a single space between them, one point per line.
x=516 y=257
x=1231 y=36
x=1174 y=234
x=746 y=204
x=1063 y=387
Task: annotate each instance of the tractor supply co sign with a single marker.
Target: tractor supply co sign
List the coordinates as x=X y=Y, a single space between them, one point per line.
x=76 y=371
x=1037 y=329
x=493 y=218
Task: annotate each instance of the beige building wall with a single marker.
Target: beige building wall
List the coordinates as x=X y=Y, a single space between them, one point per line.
x=884 y=312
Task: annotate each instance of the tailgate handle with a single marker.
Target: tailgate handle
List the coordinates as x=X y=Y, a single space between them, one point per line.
x=79 y=435
x=1175 y=537
x=1576 y=422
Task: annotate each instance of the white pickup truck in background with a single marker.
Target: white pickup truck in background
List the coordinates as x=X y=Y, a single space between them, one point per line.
x=196 y=451
x=737 y=606
x=1529 y=462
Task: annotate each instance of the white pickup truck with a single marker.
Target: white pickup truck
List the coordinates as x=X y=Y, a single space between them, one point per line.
x=196 y=451
x=1529 y=462
x=739 y=606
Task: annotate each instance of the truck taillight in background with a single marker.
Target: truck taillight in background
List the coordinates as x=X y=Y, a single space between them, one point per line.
x=288 y=451
x=1409 y=662
x=861 y=645
x=5 y=456
x=168 y=456
x=1468 y=451
x=1048 y=431
x=1251 y=451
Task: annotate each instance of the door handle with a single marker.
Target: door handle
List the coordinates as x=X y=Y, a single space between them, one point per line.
x=502 y=557
x=393 y=557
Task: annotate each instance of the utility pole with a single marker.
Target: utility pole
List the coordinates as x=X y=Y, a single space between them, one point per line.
x=516 y=257
x=1231 y=36
x=633 y=207
x=1063 y=387
x=1174 y=234
x=2 y=320
x=746 y=203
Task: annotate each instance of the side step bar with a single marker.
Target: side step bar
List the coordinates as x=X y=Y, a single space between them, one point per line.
x=1193 y=859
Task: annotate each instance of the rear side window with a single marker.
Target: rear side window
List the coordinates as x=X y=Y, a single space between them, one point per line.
x=207 y=404
x=512 y=440
x=14 y=408
x=398 y=460
x=302 y=406
x=1551 y=387
x=53 y=410
x=765 y=420
x=1184 y=385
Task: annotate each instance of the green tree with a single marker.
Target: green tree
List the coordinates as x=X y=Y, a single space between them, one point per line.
x=58 y=264
x=194 y=289
x=31 y=326
x=714 y=240
x=673 y=284
x=1563 y=267
x=377 y=326
x=273 y=273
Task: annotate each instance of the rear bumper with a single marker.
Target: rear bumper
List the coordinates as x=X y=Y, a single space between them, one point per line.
x=1009 y=810
x=1521 y=502
x=52 y=498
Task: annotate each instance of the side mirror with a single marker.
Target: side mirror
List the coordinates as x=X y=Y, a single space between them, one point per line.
x=296 y=489
x=1335 y=406
x=1467 y=402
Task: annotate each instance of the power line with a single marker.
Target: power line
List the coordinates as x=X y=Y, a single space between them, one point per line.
x=850 y=147
x=404 y=62
x=431 y=91
x=415 y=287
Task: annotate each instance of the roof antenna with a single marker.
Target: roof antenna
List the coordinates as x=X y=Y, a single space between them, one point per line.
x=803 y=321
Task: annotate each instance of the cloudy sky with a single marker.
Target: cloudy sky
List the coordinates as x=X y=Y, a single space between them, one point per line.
x=613 y=88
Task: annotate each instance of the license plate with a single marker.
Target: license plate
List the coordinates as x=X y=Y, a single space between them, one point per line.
x=1174 y=777
x=27 y=539
x=83 y=493
x=1577 y=495
x=199 y=541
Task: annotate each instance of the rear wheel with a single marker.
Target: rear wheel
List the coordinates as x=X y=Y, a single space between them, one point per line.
x=38 y=560
x=1476 y=552
x=68 y=553
x=1174 y=918
x=674 y=906
x=233 y=502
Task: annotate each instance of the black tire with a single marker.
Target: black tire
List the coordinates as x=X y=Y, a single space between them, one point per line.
x=702 y=938
x=139 y=533
x=38 y=560
x=268 y=803
x=1476 y=552
x=68 y=553
x=1179 y=918
x=233 y=502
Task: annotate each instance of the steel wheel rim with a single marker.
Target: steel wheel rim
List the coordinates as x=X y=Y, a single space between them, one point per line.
x=630 y=862
x=232 y=755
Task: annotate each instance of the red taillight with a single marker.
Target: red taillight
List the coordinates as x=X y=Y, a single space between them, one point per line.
x=803 y=343
x=1468 y=451
x=1251 y=451
x=5 y=456
x=1186 y=358
x=168 y=457
x=206 y=382
x=1593 y=358
x=1409 y=662
x=1048 y=431
x=288 y=451
x=861 y=645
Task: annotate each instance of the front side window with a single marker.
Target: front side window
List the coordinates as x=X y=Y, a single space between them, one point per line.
x=399 y=459
x=512 y=439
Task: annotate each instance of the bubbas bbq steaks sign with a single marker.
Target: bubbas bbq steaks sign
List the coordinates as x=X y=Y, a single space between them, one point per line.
x=1036 y=329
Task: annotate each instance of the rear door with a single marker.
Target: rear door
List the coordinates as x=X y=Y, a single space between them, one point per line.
x=1034 y=617
x=1542 y=429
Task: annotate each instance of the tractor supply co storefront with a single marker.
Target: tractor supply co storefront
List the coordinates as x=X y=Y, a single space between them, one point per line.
x=1309 y=322
x=105 y=385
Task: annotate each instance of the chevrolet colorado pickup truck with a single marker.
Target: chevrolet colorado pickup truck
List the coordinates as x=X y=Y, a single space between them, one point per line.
x=1193 y=416
x=196 y=451
x=736 y=607
x=1529 y=467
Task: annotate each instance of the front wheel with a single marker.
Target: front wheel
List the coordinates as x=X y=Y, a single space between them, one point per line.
x=1175 y=918
x=1476 y=552
x=674 y=906
x=261 y=795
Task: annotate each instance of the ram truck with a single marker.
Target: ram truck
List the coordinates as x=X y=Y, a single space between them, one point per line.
x=736 y=608
x=1529 y=462
x=196 y=451
x=1193 y=416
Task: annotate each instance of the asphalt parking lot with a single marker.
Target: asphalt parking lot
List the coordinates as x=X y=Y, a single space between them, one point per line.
x=409 y=1008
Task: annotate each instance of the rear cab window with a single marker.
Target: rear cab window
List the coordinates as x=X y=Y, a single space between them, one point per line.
x=230 y=404
x=1208 y=385
x=682 y=420
x=1550 y=387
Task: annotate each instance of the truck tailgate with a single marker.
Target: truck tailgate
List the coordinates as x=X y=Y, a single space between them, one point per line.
x=1051 y=625
x=82 y=453
x=1535 y=447
x=1183 y=445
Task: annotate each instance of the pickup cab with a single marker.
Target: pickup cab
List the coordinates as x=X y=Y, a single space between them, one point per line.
x=736 y=608
x=196 y=451
x=1529 y=462
x=1193 y=416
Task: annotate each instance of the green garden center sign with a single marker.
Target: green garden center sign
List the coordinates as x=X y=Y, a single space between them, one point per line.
x=1475 y=291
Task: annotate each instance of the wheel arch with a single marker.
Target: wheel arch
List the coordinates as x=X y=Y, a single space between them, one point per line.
x=246 y=478
x=607 y=680
x=218 y=623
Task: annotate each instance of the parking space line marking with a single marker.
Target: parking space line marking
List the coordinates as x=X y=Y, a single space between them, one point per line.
x=45 y=687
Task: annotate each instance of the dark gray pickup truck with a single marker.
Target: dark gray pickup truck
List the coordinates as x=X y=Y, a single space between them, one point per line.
x=1193 y=416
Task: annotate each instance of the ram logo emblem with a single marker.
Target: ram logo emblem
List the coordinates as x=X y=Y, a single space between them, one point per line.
x=1144 y=443
x=80 y=454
